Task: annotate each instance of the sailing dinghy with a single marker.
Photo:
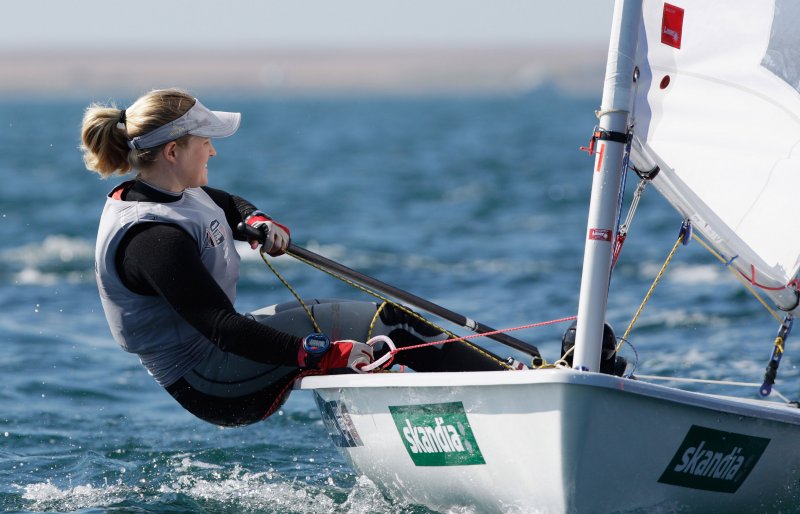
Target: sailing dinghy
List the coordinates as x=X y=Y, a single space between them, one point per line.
x=701 y=98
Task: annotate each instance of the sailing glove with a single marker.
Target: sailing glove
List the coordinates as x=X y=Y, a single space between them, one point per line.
x=318 y=352
x=275 y=237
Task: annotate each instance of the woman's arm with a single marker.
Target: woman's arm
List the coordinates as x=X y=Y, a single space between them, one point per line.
x=236 y=208
x=162 y=259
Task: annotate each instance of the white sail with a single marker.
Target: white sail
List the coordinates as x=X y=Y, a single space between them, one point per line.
x=718 y=110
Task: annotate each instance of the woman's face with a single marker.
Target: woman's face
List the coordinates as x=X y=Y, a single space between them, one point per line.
x=192 y=161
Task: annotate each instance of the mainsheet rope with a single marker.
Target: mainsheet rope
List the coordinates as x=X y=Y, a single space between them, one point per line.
x=472 y=336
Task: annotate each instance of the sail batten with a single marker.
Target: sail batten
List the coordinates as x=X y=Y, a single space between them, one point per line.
x=718 y=110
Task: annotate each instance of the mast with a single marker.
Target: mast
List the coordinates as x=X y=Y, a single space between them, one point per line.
x=614 y=115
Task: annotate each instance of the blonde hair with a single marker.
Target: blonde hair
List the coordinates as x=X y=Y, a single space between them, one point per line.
x=105 y=132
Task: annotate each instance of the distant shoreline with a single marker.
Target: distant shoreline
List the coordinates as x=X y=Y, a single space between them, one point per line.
x=302 y=71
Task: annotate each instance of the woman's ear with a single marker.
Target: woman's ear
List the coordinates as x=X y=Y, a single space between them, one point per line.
x=169 y=151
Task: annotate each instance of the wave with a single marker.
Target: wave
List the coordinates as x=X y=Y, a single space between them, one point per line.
x=55 y=248
x=57 y=252
x=57 y=259
x=375 y=260
x=194 y=485
x=689 y=273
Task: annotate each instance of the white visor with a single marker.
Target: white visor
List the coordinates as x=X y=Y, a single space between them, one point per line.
x=197 y=121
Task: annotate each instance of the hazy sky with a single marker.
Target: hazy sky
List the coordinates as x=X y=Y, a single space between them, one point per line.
x=299 y=23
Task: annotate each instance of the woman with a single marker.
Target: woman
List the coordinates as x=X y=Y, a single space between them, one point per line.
x=167 y=270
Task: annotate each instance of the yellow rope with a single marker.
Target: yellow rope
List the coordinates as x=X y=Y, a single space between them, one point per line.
x=738 y=275
x=778 y=345
x=385 y=299
x=375 y=320
x=650 y=292
x=716 y=254
x=289 y=287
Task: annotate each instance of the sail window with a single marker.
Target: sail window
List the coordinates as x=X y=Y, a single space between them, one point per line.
x=783 y=51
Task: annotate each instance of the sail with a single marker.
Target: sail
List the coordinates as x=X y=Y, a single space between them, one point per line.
x=718 y=110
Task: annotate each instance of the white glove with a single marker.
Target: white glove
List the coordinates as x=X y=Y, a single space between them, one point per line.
x=276 y=236
x=357 y=354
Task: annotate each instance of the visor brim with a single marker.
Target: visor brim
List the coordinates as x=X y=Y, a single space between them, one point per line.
x=226 y=124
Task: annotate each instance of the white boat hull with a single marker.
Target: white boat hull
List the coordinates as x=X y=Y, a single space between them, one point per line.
x=561 y=441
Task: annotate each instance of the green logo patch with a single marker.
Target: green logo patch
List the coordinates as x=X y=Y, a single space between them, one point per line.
x=714 y=460
x=437 y=434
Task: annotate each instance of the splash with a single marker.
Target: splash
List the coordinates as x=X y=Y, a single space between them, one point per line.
x=48 y=497
x=194 y=485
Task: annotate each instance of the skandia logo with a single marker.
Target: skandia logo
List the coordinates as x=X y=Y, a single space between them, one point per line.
x=437 y=434
x=702 y=462
x=426 y=439
x=714 y=460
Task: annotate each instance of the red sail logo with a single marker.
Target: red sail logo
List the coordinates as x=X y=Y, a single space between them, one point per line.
x=672 y=26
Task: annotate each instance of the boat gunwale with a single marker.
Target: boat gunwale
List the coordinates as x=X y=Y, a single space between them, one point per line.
x=766 y=409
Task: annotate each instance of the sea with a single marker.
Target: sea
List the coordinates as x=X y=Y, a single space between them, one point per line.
x=477 y=203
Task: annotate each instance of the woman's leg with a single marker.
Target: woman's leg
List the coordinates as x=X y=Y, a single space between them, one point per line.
x=230 y=390
x=407 y=330
x=341 y=319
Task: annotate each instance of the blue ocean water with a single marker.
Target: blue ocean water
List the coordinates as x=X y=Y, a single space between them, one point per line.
x=476 y=203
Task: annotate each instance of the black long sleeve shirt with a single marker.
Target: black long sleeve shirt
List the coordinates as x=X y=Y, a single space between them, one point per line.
x=160 y=259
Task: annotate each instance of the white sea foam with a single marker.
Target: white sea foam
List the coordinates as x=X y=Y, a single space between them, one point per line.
x=46 y=496
x=54 y=248
x=675 y=318
x=267 y=491
x=57 y=259
x=211 y=484
x=362 y=260
x=687 y=273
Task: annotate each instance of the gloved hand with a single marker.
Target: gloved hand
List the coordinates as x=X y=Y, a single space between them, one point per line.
x=275 y=236
x=317 y=352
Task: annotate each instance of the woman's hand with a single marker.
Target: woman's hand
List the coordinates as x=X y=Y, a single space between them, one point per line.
x=317 y=352
x=275 y=236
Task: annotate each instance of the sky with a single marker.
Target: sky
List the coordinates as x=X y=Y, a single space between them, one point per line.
x=227 y=24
